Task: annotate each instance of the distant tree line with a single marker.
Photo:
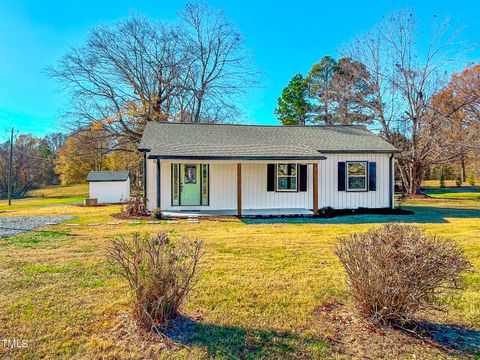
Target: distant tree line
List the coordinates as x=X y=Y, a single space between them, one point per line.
x=34 y=160
x=60 y=159
x=386 y=81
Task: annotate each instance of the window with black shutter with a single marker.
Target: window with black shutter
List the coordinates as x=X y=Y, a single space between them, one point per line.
x=270 y=177
x=372 y=176
x=341 y=176
x=302 y=177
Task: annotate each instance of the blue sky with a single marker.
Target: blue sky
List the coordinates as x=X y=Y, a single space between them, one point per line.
x=285 y=37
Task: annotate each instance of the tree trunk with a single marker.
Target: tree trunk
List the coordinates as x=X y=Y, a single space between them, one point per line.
x=412 y=175
x=464 y=170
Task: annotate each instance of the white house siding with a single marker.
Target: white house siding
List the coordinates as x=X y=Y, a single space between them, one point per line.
x=110 y=192
x=328 y=194
x=223 y=186
x=152 y=184
x=256 y=196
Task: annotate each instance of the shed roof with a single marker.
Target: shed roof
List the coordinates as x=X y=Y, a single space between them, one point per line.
x=107 y=176
x=222 y=141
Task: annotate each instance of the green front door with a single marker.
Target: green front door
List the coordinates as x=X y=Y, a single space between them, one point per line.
x=190 y=184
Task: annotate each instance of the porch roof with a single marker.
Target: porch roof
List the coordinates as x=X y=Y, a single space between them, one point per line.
x=255 y=142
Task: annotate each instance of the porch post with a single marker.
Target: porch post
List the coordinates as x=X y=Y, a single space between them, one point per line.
x=159 y=188
x=239 y=189
x=145 y=178
x=315 y=188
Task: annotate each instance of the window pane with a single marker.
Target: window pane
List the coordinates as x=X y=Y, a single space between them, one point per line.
x=287 y=183
x=282 y=183
x=175 y=187
x=204 y=184
x=190 y=176
x=356 y=183
x=293 y=183
x=292 y=169
x=287 y=169
x=357 y=168
x=282 y=169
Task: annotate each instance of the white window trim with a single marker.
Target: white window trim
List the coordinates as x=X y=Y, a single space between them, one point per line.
x=365 y=176
x=285 y=176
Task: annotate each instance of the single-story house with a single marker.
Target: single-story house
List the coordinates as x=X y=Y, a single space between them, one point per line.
x=265 y=170
x=109 y=187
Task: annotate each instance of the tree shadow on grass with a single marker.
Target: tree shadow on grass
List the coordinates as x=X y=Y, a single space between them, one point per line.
x=421 y=215
x=450 y=337
x=232 y=342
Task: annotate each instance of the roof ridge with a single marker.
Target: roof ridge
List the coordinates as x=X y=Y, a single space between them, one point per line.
x=257 y=125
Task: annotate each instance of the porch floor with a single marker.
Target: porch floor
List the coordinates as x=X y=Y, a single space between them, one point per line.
x=231 y=212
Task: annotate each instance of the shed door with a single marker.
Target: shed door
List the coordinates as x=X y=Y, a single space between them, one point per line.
x=190 y=184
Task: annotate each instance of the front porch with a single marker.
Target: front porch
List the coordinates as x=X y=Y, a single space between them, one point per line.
x=192 y=188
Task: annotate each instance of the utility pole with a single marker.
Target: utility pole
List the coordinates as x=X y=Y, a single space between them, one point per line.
x=10 y=170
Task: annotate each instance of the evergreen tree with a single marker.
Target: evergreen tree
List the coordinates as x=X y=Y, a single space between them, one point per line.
x=320 y=90
x=293 y=105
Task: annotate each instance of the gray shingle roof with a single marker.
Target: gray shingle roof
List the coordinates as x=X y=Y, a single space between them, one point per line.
x=104 y=176
x=187 y=140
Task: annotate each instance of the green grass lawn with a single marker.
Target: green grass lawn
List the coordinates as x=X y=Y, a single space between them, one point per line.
x=453 y=193
x=261 y=292
x=48 y=196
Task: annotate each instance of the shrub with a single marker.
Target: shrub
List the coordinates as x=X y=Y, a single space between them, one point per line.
x=136 y=206
x=458 y=181
x=471 y=180
x=397 y=270
x=442 y=181
x=327 y=212
x=159 y=272
x=157 y=213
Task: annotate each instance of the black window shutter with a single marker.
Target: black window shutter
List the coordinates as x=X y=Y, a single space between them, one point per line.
x=372 y=176
x=341 y=176
x=270 y=177
x=302 y=177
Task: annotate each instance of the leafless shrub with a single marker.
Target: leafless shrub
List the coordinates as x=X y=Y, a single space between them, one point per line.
x=397 y=270
x=159 y=272
x=134 y=207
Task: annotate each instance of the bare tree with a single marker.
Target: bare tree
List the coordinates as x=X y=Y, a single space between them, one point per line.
x=405 y=80
x=140 y=70
x=219 y=68
x=458 y=106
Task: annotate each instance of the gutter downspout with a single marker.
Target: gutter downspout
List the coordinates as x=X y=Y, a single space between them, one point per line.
x=390 y=181
x=144 y=151
x=159 y=188
x=145 y=177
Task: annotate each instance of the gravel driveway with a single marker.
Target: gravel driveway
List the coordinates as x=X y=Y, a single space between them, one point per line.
x=13 y=225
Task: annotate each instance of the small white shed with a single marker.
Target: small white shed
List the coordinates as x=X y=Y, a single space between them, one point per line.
x=109 y=187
